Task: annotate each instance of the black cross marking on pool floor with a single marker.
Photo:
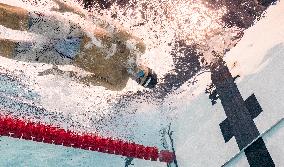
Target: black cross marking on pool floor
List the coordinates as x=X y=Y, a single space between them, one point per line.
x=240 y=114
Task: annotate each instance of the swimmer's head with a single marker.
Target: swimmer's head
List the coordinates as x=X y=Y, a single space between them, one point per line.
x=146 y=77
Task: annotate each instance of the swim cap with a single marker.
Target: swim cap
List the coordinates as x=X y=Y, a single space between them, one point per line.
x=150 y=81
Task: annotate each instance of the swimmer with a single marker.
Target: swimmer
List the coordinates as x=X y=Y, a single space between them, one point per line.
x=109 y=56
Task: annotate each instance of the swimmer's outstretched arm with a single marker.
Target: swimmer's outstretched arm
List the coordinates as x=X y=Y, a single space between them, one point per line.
x=91 y=79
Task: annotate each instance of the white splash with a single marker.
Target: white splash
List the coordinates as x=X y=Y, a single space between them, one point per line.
x=162 y=23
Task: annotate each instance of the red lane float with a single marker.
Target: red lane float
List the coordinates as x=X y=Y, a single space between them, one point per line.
x=38 y=132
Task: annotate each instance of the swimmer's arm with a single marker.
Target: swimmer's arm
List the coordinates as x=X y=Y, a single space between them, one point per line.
x=91 y=79
x=99 y=81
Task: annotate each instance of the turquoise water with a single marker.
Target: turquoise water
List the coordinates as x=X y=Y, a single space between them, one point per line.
x=22 y=153
x=18 y=153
